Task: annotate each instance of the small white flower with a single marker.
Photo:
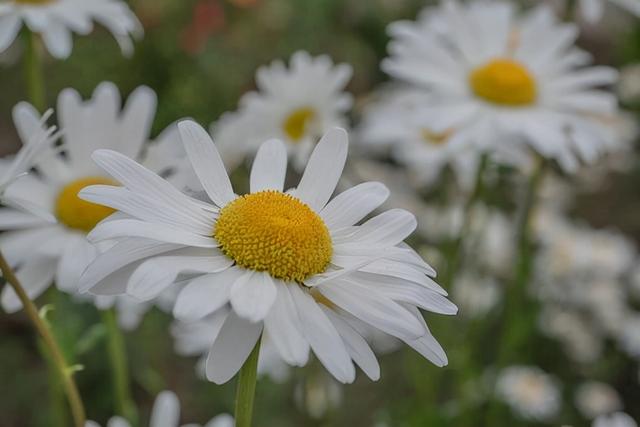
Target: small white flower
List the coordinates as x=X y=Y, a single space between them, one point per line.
x=166 y=413
x=529 y=392
x=506 y=79
x=55 y=20
x=41 y=250
x=618 y=419
x=592 y=10
x=287 y=263
x=594 y=398
x=296 y=105
x=476 y=297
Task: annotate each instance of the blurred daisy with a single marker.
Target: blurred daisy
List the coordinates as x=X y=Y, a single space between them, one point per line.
x=529 y=392
x=618 y=419
x=284 y=261
x=592 y=10
x=296 y=105
x=476 y=297
x=43 y=251
x=594 y=398
x=166 y=413
x=506 y=79
x=55 y=20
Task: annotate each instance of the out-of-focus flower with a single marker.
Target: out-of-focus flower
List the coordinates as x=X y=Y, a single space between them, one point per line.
x=592 y=10
x=582 y=340
x=297 y=105
x=475 y=297
x=283 y=261
x=166 y=413
x=594 y=398
x=43 y=251
x=529 y=392
x=55 y=20
x=207 y=18
x=318 y=394
x=618 y=419
x=507 y=79
x=629 y=337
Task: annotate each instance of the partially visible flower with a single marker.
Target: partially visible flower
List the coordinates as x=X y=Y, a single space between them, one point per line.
x=629 y=337
x=507 y=80
x=296 y=105
x=531 y=393
x=628 y=86
x=592 y=10
x=618 y=419
x=582 y=340
x=55 y=20
x=318 y=394
x=594 y=398
x=475 y=297
x=166 y=413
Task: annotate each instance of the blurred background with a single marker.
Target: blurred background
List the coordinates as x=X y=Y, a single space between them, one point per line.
x=200 y=56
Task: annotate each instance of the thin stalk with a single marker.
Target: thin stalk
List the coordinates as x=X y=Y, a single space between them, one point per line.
x=65 y=373
x=124 y=405
x=33 y=74
x=246 y=388
x=476 y=194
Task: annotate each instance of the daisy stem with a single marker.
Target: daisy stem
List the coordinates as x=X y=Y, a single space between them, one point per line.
x=34 y=79
x=456 y=253
x=65 y=372
x=246 y=388
x=119 y=368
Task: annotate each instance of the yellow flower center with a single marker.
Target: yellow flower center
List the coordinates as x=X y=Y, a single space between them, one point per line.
x=504 y=82
x=435 y=138
x=296 y=124
x=77 y=213
x=34 y=2
x=274 y=232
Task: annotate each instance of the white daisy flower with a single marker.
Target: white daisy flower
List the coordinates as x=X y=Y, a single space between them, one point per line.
x=594 y=398
x=593 y=10
x=56 y=20
x=284 y=261
x=43 y=251
x=506 y=79
x=296 y=105
x=617 y=419
x=166 y=413
x=529 y=392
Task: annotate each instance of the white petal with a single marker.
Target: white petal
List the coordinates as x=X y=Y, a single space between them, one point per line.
x=351 y=206
x=323 y=169
x=323 y=337
x=206 y=162
x=232 y=346
x=123 y=228
x=137 y=118
x=269 y=167
x=166 y=410
x=74 y=260
x=58 y=40
x=9 y=27
x=35 y=276
x=253 y=295
x=388 y=228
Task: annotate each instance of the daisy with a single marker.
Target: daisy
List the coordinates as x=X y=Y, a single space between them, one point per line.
x=617 y=419
x=285 y=262
x=529 y=392
x=594 y=398
x=55 y=20
x=592 y=10
x=296 y=105
x=506 y=79
x=166 y=413
x=41 y=250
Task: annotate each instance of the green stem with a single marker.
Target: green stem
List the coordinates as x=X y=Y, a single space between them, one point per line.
x=456 y=252
x=246 y=388
x=34 y=78
x=124 y=405
x=65 y=373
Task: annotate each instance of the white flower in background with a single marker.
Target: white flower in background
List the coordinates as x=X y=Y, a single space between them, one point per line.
x=318 y=394
x=529 y=392
x=296 y=105
x=618 y=419
x=398 y=120
x=629 y=336
x=195 y=338
x=507 y=79
x=43 y=251
x=581 y=339
x=594 y=398
x=56 y=20
x=287 y=263
x=166 y=413
x=628 y=87
x=592 y=10
x=475 y=296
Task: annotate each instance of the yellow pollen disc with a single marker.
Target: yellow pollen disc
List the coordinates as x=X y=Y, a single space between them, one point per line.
x=296 y=123
x=274 y=232
x=436 y=138
x=504 y=82
x=77 y=213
